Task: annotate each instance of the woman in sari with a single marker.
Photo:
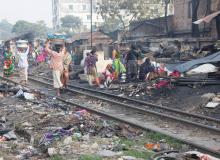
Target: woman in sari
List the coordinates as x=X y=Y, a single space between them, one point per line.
x=9 y=61
x=118 y=67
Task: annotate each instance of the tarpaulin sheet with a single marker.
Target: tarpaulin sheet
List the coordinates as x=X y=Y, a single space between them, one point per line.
x=189 y=65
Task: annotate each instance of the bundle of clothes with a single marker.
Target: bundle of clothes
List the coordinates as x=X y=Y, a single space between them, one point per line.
x=156 y=73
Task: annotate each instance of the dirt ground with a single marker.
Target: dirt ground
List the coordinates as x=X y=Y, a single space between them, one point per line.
x=76 y=134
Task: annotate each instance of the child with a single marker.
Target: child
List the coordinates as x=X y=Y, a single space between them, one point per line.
x=109 y=75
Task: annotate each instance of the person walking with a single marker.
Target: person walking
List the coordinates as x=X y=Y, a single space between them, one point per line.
x=22 y=54
x=91 y=70
x=67 y=59
x=56 y=64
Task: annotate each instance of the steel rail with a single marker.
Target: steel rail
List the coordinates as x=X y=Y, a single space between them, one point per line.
x=201 y=148
x=139 y=109
x=143 y=103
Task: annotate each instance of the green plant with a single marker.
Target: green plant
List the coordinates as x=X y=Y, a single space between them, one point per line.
x=56 y=157
x=138 y=154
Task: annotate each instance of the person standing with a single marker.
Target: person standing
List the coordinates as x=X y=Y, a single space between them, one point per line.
x=9 y=60
x=36 y=51
x=132 y=64
x=118 y=66
x=22 y=54
x=91 y=70
x=56 y=64
x=67 y=59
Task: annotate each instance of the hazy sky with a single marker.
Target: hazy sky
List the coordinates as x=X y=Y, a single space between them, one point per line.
x=29 y=10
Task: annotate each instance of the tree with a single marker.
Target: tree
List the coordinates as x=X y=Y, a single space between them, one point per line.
x=71 y=24
x=5 y=29
x=39 y=29
x=110 y=25
x=5 y=25
x=126 y=11
x=22 y=27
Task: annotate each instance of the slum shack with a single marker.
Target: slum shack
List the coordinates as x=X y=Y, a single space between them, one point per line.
x=80 y=43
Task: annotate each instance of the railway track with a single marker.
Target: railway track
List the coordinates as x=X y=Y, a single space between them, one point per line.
x=198 y=131
x=166 y=112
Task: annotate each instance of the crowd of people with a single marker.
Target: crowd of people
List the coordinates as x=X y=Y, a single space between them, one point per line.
x=124 y=66
x=60 y=61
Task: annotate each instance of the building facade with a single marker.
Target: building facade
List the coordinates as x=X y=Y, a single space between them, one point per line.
x=182 y=21
x=76 y=8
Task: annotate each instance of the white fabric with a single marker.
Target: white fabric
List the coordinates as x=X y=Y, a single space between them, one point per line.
x=23 y=59
x=57 y=79
x=23 y=74
x=205 y=68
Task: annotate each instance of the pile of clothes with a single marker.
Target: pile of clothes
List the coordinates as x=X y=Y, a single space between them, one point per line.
x=157 y=73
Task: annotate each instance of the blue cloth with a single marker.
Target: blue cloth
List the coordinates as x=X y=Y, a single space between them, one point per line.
x=54 y=36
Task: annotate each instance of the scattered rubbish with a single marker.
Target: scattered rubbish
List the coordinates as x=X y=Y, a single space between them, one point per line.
x=153 y=146
x=108 y=153
x=216 y=99
x=212 y=104
x=86 y=137
x=166 y=155
x=173 y=154
x=19 y=93
x=52 y=151
x=94 y=146
x=49 y=137
x=128 y=158
x=199 y=155
x=68 y=140
x=27 y=153
x=209 y=95
x=3 y=119
x=28 y=96
x=9 y=135
x=162 y=83
x=77 y=136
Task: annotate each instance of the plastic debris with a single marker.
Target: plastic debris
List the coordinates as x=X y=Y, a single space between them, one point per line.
x=28 y=96
x=19 y=93
x=153 y=146
x=108 y=153
x=212 y=104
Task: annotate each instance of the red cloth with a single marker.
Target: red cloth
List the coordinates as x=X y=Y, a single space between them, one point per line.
x=175 y=74
x=162 y=83
x=42 y=56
